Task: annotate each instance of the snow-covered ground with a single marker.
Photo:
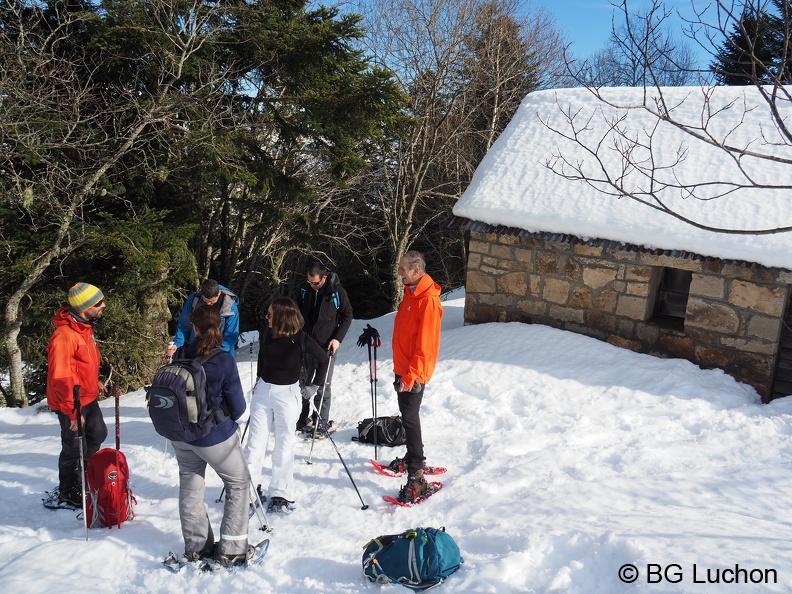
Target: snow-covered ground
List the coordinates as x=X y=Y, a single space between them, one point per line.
x=568 y=459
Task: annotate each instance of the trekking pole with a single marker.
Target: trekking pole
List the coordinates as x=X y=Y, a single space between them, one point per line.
x=321 y=402
x=258 y=507
x=376 y=343
x=316 y=426
x=222 y=492
x=247 y=423
x=78 y=408
x=251 y=368
x=340 y=457
x=117 y=396
x=371 y=338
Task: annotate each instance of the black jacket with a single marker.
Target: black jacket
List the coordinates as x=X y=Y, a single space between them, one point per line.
x=335 y=311
x=280 y=359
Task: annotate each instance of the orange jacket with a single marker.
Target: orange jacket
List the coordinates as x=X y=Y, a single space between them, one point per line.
x=416 y=332
x=73 y=359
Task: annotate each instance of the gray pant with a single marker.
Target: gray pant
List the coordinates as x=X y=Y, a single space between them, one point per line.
x=228 y=462
x=323 y=396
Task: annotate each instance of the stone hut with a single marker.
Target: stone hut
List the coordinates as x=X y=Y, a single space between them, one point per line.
x=550 y=247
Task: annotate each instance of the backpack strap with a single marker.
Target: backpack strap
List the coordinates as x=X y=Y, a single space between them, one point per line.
x=196 y=300
x=203 y=360
x=210 y=355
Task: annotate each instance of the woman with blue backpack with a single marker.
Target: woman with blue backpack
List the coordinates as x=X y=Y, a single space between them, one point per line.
x=220 y=449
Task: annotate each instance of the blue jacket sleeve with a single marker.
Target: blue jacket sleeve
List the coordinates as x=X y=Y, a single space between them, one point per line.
x=184 y=331
x=231 y=330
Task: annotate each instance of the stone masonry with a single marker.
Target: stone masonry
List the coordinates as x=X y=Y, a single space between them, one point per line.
x=733 y=320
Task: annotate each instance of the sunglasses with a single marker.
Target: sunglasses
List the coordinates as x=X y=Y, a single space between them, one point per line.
x=317 y=283
x=100 y=303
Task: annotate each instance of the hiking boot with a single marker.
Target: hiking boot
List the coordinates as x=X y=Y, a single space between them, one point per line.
x=319 y=434
x=237 y=560
x=397 y=465
x=280 y=505
x=414 y=489
x=206 y=553
x=71 y=497
x=303 y=424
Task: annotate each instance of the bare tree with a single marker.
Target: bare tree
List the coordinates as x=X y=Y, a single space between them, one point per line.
x=768 y=146
x=466 y=65
x=641 y=50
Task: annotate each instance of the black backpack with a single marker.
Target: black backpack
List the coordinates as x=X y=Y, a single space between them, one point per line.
x=389 y=431
x=178 y=402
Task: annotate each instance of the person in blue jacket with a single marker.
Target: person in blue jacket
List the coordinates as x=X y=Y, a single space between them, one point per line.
x=218 y=297
x=221 y=450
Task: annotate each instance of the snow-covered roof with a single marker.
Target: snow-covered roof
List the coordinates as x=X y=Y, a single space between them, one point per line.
x=526 y=180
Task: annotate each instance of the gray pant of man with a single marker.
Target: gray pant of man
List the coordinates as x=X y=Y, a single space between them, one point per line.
x=229 y=463
x=323 y=397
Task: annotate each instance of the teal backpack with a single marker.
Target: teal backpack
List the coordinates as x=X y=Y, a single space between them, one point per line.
x=419 y=559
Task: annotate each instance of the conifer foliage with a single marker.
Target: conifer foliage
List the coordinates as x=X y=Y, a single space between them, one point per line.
x=145 y=144
x=755 y=49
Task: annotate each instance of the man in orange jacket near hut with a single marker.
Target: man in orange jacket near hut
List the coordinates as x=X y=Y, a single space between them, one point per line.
x=416 y=344
x=73 y=359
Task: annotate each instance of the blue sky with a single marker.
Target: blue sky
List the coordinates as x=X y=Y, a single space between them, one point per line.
x=586 y=24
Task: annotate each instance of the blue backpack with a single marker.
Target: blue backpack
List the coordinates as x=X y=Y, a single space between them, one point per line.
x=419 y=559
x=178 y=402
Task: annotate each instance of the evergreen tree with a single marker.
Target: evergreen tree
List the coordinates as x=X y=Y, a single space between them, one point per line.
x=145 y=144
x=753 y=52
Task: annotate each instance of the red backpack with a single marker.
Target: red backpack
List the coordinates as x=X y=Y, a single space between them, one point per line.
x=108 y=497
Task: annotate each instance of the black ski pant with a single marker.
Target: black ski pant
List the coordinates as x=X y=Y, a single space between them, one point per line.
x=318 y=400
x=95 y=432
x=410 y=409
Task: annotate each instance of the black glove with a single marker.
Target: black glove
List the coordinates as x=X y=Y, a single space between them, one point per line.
x=370 y=336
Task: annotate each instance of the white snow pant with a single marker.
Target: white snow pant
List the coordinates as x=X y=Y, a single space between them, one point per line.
x=228 y=462
x=274 y=408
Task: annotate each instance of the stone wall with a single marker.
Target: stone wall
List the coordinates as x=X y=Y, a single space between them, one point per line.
x=733 y=319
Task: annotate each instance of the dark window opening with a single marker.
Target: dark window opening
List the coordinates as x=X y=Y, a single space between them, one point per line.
x=672 y=294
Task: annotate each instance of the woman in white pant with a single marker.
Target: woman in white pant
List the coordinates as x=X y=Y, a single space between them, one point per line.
x=276 y=401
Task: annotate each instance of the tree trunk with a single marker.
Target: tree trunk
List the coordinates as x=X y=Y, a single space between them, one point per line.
x=13 y=317
x=18 y=394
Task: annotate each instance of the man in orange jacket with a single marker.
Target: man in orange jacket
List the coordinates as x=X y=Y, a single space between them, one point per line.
x=416 y=343
x=73 y=359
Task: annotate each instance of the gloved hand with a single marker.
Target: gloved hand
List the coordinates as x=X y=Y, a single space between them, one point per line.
x=309 y=391
x=369 y=336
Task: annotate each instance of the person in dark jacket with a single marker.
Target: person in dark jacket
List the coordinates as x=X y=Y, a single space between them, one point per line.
x=275 y=403
x=73 y=360
x=327 y=312
x=220 y=298
x=220 y=449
